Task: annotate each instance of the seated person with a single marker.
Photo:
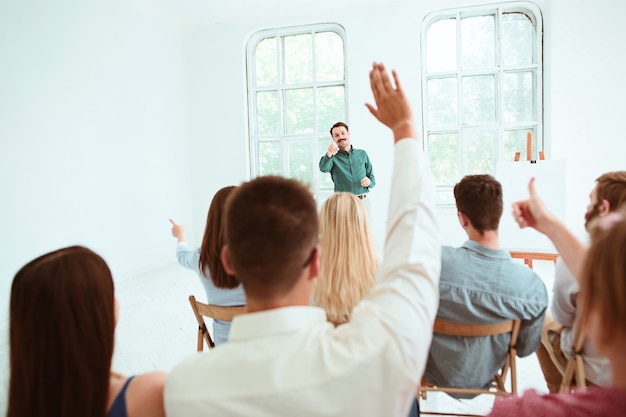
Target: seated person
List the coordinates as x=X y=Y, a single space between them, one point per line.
x=221 y=288
x=603 y=316
x=480 y=283
x=283 y=358
x=348 y=262
x=557 y=344
x=62 y=323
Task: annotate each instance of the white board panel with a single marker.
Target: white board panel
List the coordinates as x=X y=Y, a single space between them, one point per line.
x=550 y=184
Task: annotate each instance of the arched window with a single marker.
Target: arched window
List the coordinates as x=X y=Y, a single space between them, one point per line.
x=297 y=89
x=482 y=89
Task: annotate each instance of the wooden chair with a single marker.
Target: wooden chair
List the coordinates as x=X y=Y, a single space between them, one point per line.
x=478 y=330
x=575 y=368
x=574 y=371
x=201 y=310
x=529 y=257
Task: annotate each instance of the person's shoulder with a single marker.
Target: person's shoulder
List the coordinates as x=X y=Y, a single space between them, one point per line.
x=180 y=374
x=523 y=271
x=145 y=395
x=450 y=253
x=149 y=384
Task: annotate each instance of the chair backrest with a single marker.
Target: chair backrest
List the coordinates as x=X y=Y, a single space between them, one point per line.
x=575 y=368
x=202 y=310
x=479 y=330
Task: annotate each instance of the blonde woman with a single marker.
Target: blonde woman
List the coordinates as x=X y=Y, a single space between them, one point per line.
x=348 y=261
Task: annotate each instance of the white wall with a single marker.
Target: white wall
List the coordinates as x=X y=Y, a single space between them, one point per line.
x=93 y=142
x=588 y=93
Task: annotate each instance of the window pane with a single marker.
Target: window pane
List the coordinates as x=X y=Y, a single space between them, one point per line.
x=480 y=152
x=331 y=107
x=329 y=56
x=298 y=59
x=441 y=46
x=442 y=101
x=518 y=33
x=479 y=101
x=517 y=95
x=478 y=42
x=515 y=141
x=322 y=147
x=321 y=197
x=268 y=116
x=298 y=106
x=443 y=152
x=269 y=158
x=300 y=163
x=266 y=62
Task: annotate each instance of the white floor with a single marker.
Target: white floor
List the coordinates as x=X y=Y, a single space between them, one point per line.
x=157 y=329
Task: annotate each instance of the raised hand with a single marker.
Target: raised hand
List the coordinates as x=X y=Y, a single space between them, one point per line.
x=332 y=149
x=532 y=212
x=392 y=107
x=178 y=231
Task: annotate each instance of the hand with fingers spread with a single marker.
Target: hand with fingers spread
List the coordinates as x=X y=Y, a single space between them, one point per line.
x=532 y=212
x=392 y=107
x=178 y=231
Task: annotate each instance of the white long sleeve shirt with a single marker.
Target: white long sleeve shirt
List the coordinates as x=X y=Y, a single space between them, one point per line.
x=292 y=362
x=565 y=311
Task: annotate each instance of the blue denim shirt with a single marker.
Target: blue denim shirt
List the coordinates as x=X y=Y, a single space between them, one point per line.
x=222 y=297
x=480 y=285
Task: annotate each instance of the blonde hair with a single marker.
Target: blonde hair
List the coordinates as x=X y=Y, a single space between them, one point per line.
x=603 y=280
x=348 y=261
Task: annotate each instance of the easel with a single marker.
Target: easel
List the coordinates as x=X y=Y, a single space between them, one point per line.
x=529 y=149
x=528 y=257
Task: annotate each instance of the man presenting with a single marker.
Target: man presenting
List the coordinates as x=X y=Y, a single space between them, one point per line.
x=350 y=169
x=283 y=358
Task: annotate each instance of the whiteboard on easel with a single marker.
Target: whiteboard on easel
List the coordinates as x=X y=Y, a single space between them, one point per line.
x=550 y=184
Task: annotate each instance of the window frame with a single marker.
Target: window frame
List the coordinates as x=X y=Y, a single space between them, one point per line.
x=533 y=12
x=285 y=139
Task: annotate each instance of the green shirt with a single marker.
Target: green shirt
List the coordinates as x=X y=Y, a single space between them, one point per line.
x=348 y=169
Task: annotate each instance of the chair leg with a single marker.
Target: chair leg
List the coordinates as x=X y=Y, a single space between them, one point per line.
x=200 y=342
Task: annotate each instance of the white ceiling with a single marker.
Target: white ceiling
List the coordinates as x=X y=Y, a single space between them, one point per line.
x=245 y=12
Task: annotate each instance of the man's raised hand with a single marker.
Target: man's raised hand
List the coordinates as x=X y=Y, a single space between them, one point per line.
x=392 y=108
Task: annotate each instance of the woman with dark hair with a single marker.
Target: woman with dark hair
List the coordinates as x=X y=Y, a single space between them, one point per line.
x=221 y=289
x=62 y=323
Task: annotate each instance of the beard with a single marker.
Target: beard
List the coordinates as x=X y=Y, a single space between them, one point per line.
x=591 y=215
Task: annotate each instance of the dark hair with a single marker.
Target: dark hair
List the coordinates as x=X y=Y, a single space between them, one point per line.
x=213 y=241
x=479 y=197
x=62 y=324
x=612 y=188
x=271 y=231
x=339 y=124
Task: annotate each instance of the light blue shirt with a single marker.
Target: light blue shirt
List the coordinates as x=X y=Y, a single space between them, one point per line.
x=480 y=285
x=219 y=296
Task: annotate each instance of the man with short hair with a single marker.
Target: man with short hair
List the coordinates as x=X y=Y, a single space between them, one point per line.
x=283 y=358
x=350 y=168
x=481 y=284
x=558 y=336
